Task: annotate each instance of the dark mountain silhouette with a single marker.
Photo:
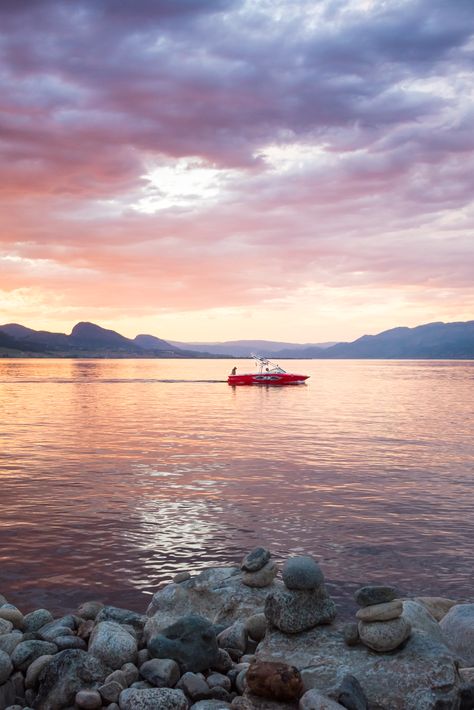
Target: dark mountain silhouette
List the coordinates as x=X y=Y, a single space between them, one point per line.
x=430 y=341
x=85 y=340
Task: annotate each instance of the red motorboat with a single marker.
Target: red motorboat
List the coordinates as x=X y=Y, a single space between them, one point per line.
x=268 y=374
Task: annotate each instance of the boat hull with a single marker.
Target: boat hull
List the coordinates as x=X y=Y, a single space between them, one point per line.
x=267 y=378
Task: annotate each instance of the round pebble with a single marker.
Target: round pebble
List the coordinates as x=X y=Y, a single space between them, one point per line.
x=88 y=699
x=302 y=572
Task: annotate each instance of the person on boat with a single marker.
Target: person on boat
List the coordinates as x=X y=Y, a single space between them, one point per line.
x=234 y=371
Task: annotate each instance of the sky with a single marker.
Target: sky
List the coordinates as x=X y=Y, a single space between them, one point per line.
x=297 y=170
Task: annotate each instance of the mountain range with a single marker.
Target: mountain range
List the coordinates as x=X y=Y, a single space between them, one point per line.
x=429 y=341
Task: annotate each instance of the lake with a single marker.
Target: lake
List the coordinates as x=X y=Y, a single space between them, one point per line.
x=116 y=474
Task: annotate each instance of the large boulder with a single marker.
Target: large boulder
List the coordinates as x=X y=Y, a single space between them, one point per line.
x=66 y=674
x=458 y=629
x=420 y=676
x=217 y=593
x=113 y=644
x=190 y=641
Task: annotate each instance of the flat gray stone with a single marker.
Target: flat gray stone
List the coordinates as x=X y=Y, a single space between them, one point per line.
x=302 y=572
x=384 y=636
x=122 y=616
x=194 y=686
x=6 y=627
x=8 y=642
x=262 y=577
x=255 y=559
x=152 y=699
x=375 y=594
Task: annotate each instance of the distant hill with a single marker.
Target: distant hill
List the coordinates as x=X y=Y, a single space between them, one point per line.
x=85 y=340
x=243 y=348
x=430 y=341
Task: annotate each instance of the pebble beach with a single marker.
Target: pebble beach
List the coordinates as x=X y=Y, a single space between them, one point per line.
x=253 y=635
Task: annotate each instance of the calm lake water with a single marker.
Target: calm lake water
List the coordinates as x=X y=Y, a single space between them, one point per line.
x=115 y=474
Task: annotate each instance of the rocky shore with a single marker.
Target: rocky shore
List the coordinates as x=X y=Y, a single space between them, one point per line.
x=242 y=638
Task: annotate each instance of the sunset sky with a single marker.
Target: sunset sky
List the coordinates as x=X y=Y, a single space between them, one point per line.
x=220 y=169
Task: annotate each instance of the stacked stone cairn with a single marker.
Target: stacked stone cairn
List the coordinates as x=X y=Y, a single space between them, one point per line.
x=381 y=625
x=258 y=570
x=303 y=601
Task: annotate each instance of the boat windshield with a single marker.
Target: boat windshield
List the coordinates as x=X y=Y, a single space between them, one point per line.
x=267 y=365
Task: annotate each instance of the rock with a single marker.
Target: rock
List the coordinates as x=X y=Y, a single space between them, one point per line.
x=437 y=606
x=420 y=618
x=210 y=705
x=7 y=694
x=112 y=644
x=381 y=612
x=141 y=685
x=36 y=619
x=28 y=651
x=88 y=699
x=64 y=642
x=466 y=696
x=59 y=627
x=66 y=674
x=418 y=676
x=294 y=611
x=234 y=636
x=365 y=596
x=11 y=613
x=313 y=700
x=8 y=642
x=191 y=642
x=216 y=594
x=194 y=685
x=142 y=657
x=89 y=610
x=458 y=630
x=351 y=634
x=3 y=600
x=256 y=626
x=219 y=693
x=110 y=691
x=18 y=680
x=241 y=681
x=274 y=680
x=122 y=616
x=153 y=699
x=35 y=669
x=467 y=675
x=263 y=577
x=130 y=672
x=85 y=629
x=223 y=663
x=161 y=672
x=6 y=667
x=6 y=627
x=302 y=572
x=119 y=677
x=350 y=695
x=181 y=577
x=255 y=559
x=219 y=680
x=384 y=636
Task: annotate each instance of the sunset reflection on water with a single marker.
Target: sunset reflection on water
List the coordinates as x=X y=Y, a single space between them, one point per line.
x=115 y=474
